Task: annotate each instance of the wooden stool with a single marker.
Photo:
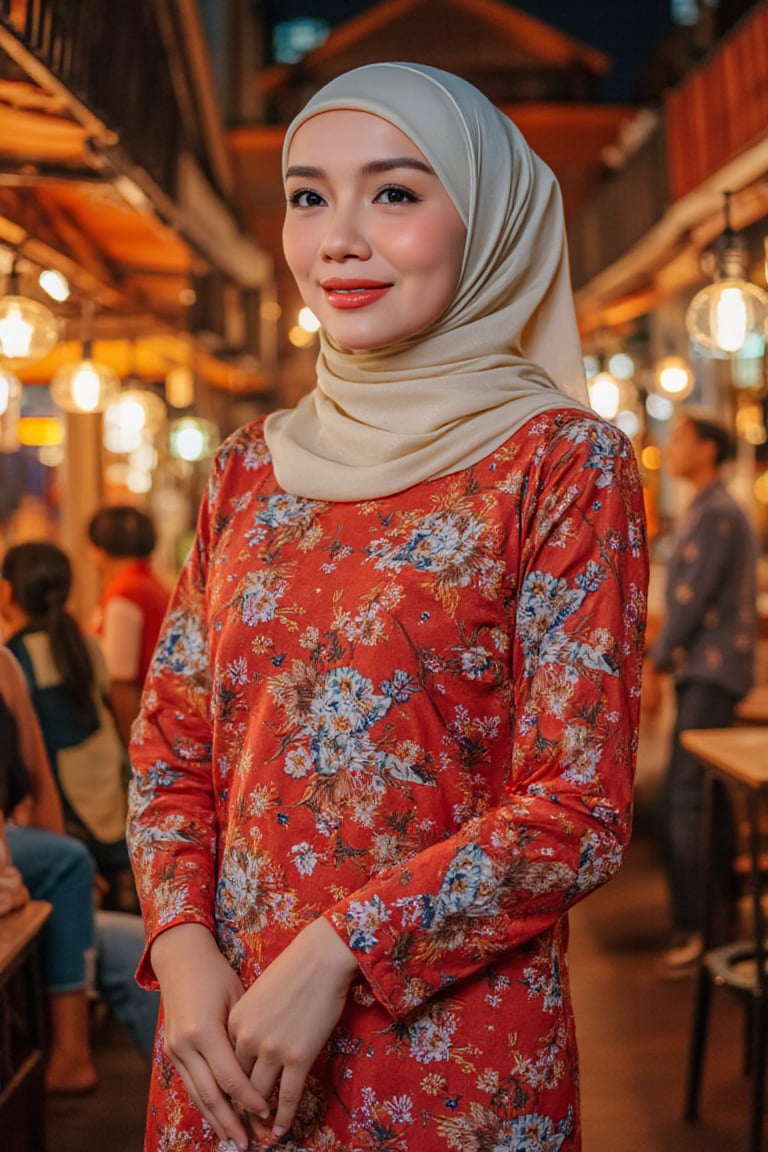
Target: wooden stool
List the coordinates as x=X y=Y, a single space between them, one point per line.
x=22 y=1085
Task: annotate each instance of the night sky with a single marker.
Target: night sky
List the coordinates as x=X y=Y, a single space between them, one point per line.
x=627 y=32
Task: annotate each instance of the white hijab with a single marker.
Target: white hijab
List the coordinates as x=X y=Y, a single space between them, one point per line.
x=506 y=348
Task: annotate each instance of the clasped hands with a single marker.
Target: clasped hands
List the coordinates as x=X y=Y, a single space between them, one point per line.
x=232 y=1046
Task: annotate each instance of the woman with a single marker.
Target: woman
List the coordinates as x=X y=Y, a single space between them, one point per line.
x=389 y=734
x=38 y=860
x=69 y=685
x=131 y=606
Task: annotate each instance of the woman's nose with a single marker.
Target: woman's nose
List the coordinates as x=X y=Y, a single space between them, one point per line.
x=344 y=238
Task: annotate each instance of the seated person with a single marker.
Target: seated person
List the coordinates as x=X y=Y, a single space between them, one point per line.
x=37 y=860
x=69 y=687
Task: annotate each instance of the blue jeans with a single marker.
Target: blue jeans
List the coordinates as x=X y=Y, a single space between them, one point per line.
x=699 y=705
x=59 y=869
x=120 y=943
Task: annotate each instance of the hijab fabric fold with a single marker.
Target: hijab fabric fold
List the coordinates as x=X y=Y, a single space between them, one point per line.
x=505 y=349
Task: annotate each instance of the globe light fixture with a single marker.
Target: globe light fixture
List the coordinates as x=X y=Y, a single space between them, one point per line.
x=132 y=418
x=85 y=386
x=28 y=330
x=674 y=378
x=191 y=438
x=722 y=317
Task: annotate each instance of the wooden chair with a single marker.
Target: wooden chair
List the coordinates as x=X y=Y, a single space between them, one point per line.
x=22 y=1086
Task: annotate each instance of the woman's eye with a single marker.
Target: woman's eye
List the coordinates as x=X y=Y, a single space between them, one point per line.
x=395 y=195
x=305 y=198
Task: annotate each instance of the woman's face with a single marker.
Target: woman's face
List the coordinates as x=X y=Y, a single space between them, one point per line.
x=371 y=236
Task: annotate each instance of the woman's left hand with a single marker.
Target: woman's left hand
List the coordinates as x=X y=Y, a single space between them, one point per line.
x=280 y=1025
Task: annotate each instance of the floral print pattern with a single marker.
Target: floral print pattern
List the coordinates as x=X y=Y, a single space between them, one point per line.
x=415 y=716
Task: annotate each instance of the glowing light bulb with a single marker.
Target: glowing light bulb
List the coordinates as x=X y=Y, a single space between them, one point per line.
x=674 y=380
x=15 y=334
x=5 y=393
x=308 y=321
x=730 y=321
x=604 y=395
x=86 y=388
x=190 y=444
x=55 y=284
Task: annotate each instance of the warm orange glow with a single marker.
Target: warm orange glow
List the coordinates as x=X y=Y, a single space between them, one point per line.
x=39 y=431
x=651 y=458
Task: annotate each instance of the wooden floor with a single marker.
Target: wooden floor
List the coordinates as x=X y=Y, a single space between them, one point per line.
x=632 y=1026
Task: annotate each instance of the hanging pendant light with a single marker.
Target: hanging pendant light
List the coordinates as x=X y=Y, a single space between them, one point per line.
x=28 y=330
x=673 y=378
x=135 y=415
x=86 y=385
x=132 y=419
x=192 y=438
x=723 y=317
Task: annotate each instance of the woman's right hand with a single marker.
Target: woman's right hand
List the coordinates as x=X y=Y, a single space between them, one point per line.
x=199 y=989
x=13 y=893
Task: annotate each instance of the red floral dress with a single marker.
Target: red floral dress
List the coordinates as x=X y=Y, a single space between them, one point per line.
x=417 y=717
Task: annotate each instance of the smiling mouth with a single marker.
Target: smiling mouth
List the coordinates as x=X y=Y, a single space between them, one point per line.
x=353 y=294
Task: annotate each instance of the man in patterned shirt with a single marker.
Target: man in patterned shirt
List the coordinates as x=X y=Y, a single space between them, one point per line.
x=707 y=643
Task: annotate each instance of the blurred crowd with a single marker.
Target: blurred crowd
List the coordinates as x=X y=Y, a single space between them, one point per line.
x=68 y=697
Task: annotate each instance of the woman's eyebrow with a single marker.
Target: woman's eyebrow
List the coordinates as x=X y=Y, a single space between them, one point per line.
x=375 y=166
x=372 y=168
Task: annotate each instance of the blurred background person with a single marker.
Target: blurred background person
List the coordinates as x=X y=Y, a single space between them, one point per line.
x=84 y=950
x=59 y=869
x=69 y=687
x=132 y=603
x=707 y=644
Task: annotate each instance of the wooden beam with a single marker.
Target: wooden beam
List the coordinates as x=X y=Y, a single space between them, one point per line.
x=82 y=246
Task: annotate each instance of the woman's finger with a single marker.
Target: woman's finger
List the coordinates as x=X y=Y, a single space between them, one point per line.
x=219 y=1087
x=210 y=1100
x=291 y=1090
x=264 y=1076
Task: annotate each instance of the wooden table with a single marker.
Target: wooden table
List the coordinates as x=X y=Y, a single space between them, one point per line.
x=22 y=1087
x=737 y=757
x=753 y=709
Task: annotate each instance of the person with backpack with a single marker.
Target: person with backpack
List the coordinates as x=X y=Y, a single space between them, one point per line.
x=69 y=687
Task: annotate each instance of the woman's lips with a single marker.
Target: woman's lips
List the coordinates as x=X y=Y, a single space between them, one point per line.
x=344 y=294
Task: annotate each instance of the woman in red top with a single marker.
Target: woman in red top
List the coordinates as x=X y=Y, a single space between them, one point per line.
x=389 y=734
x=132 y=604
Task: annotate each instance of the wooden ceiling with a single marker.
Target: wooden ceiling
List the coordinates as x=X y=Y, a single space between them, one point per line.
x=62 y=207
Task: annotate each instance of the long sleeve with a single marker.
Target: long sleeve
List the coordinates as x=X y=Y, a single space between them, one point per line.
x=710 y=621
x=698 y=568
x=172 y=818
x=415 y=716
x=511 y=873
